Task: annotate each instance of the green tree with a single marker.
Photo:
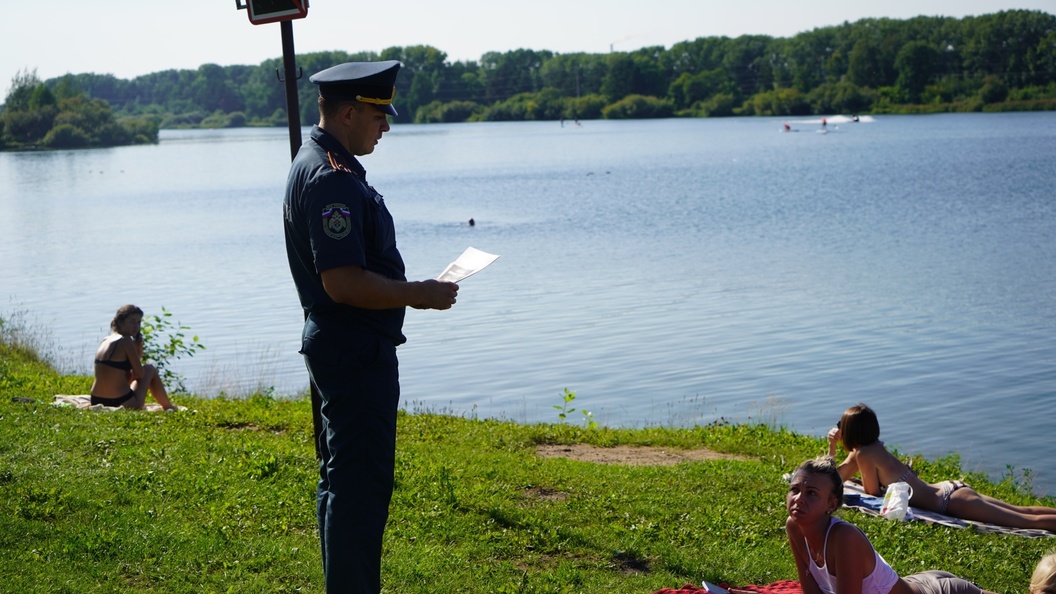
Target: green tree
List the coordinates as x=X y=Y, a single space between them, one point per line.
x=42 y=97
x=22 y=86
x=574 y=75
x=748 y=63
x=212 y=90
x=864 y=65
x=692 y=88
x=423 y=68
x=619 y=77
x=510 y=73
x=915 y=65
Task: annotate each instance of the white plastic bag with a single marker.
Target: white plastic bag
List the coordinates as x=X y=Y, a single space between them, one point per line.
x=896 y=502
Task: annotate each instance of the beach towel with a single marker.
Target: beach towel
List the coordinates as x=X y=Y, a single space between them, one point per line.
x=781 y=587
x=856 y=498
x=85 y=401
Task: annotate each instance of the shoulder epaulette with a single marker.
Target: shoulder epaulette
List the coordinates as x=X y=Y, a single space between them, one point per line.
x=336 y=163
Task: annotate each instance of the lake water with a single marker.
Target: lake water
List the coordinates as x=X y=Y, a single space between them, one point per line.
x=668 y=272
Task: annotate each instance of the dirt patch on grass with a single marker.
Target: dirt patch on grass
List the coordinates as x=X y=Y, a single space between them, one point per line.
x=546 y=494
x=631 y=455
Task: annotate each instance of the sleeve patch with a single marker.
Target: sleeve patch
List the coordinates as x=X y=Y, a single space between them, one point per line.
x=336 y=223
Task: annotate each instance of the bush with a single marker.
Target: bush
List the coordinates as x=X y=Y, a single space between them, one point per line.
x=994 y=90
x=840 y=97
x=184 y=120
x=587 y=107
x=30 y=126
x=236 y=119
x=66 y=136
x=547 y=104
x=142 y=129
x=639 y=107
x=163 y=343
x=439 y=112
x=721 y=104
x=779 y=102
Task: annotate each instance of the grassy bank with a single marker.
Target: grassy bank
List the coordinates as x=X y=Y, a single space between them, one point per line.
x=220 y=498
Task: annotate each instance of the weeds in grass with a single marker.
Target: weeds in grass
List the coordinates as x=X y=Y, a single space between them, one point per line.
x=564 y=409
x=31 y=340
x=769 y=412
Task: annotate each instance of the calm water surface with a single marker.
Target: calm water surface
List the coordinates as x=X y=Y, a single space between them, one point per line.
x=668 y=272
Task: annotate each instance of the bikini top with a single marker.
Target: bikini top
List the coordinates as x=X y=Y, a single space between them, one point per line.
x=880 y=581
x=125 y=365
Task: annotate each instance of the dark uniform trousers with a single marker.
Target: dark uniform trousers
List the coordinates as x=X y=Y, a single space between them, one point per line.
x=356 y=373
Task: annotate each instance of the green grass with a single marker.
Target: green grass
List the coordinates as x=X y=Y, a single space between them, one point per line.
x=220 y=498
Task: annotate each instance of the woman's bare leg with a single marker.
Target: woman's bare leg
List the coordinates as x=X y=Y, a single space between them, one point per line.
x=157 y=387
x=1037 y=510
x=967 y=504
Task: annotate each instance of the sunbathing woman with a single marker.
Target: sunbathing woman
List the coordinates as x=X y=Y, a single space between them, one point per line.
x=859 y=431
x=835 y=557
x=120 y=377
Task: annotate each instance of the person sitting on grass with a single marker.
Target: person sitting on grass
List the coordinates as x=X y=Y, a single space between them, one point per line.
x=121 y=379
x=835 y=557
x=859 y=432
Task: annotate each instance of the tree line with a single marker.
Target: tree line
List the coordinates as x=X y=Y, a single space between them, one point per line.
x=1001 y=61
x=59 y=115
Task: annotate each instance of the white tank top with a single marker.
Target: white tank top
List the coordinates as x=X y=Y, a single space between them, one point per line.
x=880 y=581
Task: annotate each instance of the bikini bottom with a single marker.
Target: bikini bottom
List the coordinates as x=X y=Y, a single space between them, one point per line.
x=120 y=400
x=946 y=489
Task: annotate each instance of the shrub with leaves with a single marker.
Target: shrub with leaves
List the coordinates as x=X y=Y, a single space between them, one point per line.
x=164 y=342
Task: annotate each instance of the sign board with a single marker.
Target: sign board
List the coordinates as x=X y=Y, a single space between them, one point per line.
x=271 y=11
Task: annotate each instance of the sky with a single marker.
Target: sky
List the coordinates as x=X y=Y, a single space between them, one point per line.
x=127 y=38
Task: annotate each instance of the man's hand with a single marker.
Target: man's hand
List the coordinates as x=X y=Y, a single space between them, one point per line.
x=436 y=295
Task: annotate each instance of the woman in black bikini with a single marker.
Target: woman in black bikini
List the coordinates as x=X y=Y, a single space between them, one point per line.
x=859 y=432
x=120 y=377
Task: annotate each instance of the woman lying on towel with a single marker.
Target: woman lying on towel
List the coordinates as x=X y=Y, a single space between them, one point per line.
x=859 y=432
x=120 y=377
x=835 y=557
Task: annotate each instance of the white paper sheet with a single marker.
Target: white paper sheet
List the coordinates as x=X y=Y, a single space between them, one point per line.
x=469 y=263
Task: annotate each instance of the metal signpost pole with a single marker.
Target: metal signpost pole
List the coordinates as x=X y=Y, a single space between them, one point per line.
x=293 y=108
x=283 y=12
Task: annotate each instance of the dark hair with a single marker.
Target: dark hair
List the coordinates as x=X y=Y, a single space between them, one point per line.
x=859 y=427
x=123 y=313
x=825 y=466
x=330 y=107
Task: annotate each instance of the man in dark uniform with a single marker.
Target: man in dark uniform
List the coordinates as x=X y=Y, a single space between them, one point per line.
x=341 y=245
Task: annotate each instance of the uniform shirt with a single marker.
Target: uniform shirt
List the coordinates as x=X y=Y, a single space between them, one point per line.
x=333 y=218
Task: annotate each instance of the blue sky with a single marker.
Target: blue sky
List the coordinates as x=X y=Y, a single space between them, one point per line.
x=127 y=38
